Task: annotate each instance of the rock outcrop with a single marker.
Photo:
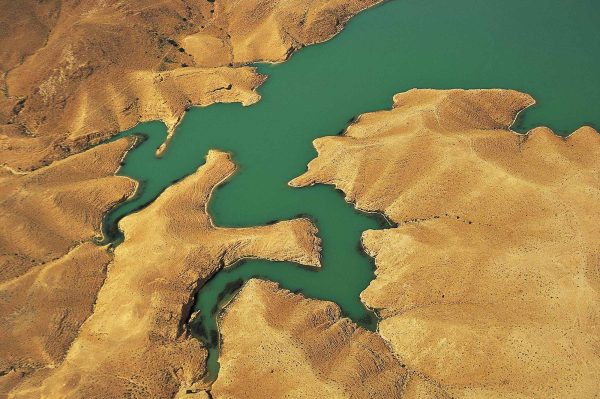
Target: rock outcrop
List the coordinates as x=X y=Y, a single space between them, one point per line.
x=489 y=284
x=73 y=73
x=136 y=343
x=47 y=212
x=292 y=347
x=50 y=270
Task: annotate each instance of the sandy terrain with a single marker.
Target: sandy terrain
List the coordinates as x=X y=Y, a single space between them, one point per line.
x=136 y=342
x=489 y=284
x=75 y=72
x=42 y=311
x=50 y=271
x=72 y=73
x=52 y=209
x=292 y=347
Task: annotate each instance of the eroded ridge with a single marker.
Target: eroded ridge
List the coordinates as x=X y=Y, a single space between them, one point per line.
x=489 y=284
x=277 y=344
x=135 y=343
x=72 y=73
x=50 y=271
x=46 y=212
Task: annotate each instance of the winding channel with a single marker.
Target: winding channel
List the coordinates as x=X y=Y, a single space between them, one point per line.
x=533 y=46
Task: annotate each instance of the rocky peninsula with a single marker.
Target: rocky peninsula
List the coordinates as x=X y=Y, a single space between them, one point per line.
x=486 y=281
x=489 y=283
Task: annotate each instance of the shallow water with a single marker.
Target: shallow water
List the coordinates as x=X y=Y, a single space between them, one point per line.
x=548 y=48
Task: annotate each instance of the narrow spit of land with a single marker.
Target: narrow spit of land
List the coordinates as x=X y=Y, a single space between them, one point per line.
x=323 y=87
x=345 y=272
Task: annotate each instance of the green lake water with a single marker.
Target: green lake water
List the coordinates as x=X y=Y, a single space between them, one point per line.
x=548 y=48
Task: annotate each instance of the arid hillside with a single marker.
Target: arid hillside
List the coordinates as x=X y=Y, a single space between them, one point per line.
x=72 y=73
x=489 y=283
x=135 y=341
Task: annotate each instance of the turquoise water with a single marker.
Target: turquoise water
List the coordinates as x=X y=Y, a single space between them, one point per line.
x=550 y=49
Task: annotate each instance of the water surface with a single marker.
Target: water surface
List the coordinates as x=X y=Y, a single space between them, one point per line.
x=548 y=48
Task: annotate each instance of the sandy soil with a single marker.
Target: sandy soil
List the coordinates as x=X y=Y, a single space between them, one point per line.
x=72 y=73
x=135 y=343
x=52 y=209
x=50 y=271
x=488 y=287
x=489 y=284
x=293 y=347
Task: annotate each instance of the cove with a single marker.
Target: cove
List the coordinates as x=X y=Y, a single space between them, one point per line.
x=548 y=48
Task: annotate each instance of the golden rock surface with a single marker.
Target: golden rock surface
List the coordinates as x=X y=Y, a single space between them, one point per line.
x=136 y=343
x=489 y=284
x=41 y=311
x=52 y=209
x=488 y=287
x=72 y=73
x=276 y=344
x=50 y=271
